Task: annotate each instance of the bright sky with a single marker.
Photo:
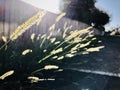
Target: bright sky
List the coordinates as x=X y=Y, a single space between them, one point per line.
x=112 y=7
x=49 y=5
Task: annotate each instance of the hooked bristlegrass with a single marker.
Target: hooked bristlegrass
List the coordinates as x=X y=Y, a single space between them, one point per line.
x=36 y=19
x=26 y=25
x=50 y=47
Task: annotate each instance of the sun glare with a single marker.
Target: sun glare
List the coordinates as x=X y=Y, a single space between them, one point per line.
x=49 y=5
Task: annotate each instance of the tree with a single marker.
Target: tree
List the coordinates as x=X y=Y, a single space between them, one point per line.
x=99 y=18
x=85 y=11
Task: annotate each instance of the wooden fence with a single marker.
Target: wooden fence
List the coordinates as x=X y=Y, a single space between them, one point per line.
x=16 y=12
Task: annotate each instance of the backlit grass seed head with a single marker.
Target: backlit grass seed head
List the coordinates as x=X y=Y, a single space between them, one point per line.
x=99 y=41
x=40 y=16
x=73 y=52
x=43 y=41
x=51 y=79
x=66 y=28
x=33 y=79
x=60 y=16
x=52 y=40
x=60 y=58
x=44 y=50
x=84 y=53
x=94 y=39
x=60 y=70
x=32 y=36
x=84 y=45
x=59 y=30
x=43 y=36
x=94 y=49
x=38 y=37
x=77 y=40
x=57 y=51
x=69 y=55
x=9 y=73
x=75 y=47
x=48 y=37
x=4 y=39
x=26 y=51
x=76 y=33
x=65 y=25
x=57 y=42
x=52 y=27
x=47 y=67
x=38 y=21
x=90 y=35
x=23 y=27
x=55 y=57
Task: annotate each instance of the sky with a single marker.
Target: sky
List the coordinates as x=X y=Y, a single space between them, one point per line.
x=49 y=5
x=112 y=7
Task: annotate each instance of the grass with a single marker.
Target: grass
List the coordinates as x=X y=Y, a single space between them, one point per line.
x=42 y=56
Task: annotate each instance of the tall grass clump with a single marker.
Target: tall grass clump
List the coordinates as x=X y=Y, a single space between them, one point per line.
x=26 y=64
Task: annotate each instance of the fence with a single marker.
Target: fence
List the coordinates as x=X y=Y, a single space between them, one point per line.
x=16 y=12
